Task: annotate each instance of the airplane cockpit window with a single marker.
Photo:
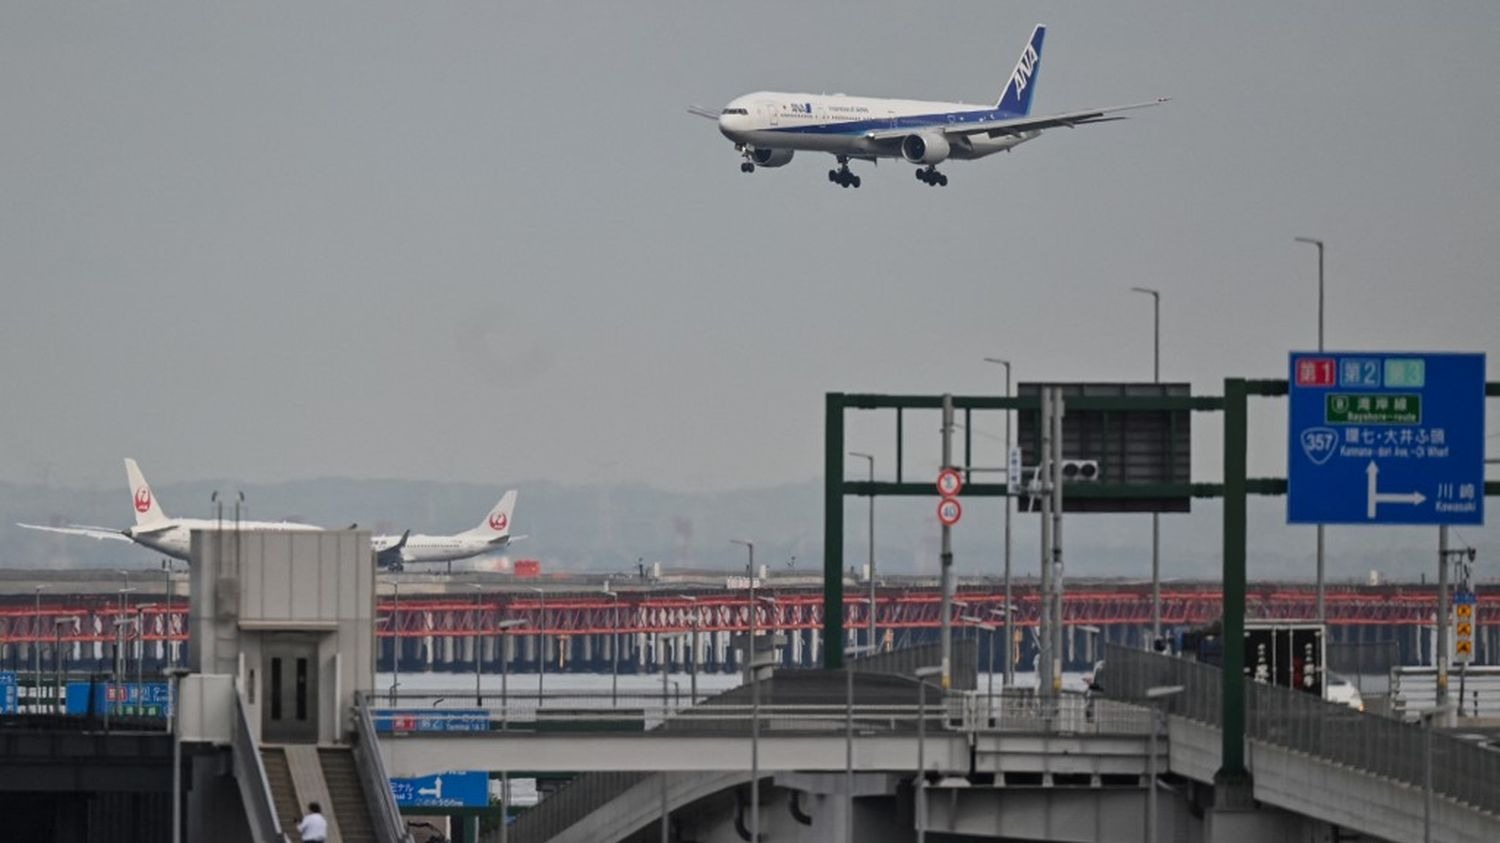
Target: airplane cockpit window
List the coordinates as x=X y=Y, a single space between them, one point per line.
x=743 y=111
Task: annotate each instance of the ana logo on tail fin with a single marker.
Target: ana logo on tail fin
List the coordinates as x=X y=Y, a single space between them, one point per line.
x=1016 y=99
x=147 y=510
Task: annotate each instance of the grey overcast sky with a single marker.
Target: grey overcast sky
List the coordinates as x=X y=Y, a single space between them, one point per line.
x=485 y=242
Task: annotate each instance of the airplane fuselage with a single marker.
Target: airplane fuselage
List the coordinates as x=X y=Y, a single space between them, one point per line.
x=838 y=124
x=175 y=538
x=421 y=548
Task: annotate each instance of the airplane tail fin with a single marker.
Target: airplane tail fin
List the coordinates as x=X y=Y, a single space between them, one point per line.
x=496 y=525
x=1016 y=98
x=147 y=510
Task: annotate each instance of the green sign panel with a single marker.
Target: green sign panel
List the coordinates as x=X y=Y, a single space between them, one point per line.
x=1372 y=408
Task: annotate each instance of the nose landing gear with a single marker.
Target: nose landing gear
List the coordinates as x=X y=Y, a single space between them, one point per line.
x=843 y=177
x=932 y=177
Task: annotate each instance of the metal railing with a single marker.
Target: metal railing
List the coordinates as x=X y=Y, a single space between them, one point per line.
x=380 y=801
x=1301 y=722
x=255 y=785
x=1024 y=711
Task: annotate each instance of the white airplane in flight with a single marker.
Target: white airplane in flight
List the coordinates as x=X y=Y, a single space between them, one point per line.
x=767 y=127
x=492 y=534
x=153 y=529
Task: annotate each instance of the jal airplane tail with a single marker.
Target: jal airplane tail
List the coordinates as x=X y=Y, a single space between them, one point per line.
x=147 y=511
x=1016 y=99
x=496 y=525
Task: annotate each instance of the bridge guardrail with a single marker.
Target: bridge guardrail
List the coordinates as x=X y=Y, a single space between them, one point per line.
x=1460 y=769
x=1013 y=711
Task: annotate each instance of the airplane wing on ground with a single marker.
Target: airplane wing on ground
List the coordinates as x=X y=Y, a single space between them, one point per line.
x=1021 y=125
x=700 y=111
x=81 y=530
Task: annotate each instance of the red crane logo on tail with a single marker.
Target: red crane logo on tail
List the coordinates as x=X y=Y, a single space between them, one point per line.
x=142 y=499
x=498 y=522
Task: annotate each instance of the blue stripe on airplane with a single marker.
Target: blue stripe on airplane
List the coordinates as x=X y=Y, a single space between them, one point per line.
x=913 y=121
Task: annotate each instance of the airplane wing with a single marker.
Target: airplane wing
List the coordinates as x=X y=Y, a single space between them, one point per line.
x=1022 y=125
x=703 y=112
x=81 y=530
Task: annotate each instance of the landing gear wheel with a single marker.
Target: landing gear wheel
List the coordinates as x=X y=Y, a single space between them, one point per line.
x=747 y=167
x=942 y=180
x=921 y=175
x=842 y=176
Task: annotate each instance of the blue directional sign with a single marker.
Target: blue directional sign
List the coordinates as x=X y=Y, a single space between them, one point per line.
x=397 y=720
x=444 y=790
x=147 y=700
x=10 y=693
x=1385 y=438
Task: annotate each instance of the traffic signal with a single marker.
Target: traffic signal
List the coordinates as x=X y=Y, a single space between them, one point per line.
x=1075 y=471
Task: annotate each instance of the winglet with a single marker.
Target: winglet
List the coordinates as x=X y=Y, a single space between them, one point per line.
x=1016 y=99
x=147 y=510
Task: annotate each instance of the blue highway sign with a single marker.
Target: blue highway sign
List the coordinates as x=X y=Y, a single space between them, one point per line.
x=10 y=692
x=388 y=720
x=444 y=790
x=1385 y=438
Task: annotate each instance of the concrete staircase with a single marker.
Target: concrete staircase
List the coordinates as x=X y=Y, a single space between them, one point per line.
x=347 y=795
x=283 y=791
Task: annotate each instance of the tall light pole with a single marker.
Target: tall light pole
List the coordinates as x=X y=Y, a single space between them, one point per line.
x=1321 y=612
x=754 y=700
x=36 y=650
x=1010 y=483
x=614 y=649
x=871 y=457
x=541 y=643
x=478 y=642
x=849 y=654
x=394 y=626
x=919 y=787
x=1160 y=692
x=1155 y=516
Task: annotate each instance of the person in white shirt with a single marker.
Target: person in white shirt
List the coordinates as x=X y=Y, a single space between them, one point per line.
x=313 y=826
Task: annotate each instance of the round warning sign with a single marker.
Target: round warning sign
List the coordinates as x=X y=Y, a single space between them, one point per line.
x=949 y=511
x=949 y=482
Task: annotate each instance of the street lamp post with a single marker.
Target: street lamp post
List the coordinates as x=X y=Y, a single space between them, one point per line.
x=614 y=649
x=982 y=624
x=395 y=627
x=870 y=641
x=1155 y=516
x=693 y=653
x=1010 y=482
x=541 y=643
x=919 y=789
x=1159 y=692
x=58 y=700
x=1313 y=241
x=175 y=675
x=36 y=651
x=478 y=642
x=754 y=699
x=849 y=654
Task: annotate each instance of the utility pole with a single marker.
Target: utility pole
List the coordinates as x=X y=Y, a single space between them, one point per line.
x=946 y=559
x=1321 y=608
x=1155 y=516
x=1011 y=484
x=1442 y=618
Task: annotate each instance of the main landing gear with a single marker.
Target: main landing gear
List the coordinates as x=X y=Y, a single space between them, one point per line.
x=842 y=176
x=933 y=178
x=747 y=167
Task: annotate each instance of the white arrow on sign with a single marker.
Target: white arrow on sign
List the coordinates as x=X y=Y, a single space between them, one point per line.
x=1374 y=497
x=436 y=791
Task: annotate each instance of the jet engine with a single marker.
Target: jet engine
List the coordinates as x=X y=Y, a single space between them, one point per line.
x=924 y=149
x=771 y=157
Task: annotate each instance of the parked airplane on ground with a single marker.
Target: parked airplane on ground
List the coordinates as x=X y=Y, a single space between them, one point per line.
x=492 y=534
x=767 y=127
x=153 y=529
